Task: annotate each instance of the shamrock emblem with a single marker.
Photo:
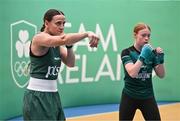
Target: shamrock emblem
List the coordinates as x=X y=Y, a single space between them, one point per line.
x=22 y=45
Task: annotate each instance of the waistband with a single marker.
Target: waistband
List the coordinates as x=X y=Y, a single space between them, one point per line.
x=42 y=85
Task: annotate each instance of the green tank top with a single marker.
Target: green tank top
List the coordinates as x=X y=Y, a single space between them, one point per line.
x=46 y=66
x=140 y=87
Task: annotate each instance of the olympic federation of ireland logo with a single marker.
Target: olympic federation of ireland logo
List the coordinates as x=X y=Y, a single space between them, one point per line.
x=21 y=35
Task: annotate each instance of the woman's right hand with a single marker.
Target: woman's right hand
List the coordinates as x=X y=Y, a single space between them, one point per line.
x=94 y=39
x=146 y=53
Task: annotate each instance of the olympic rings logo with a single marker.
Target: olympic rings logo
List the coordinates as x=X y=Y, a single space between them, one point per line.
x=22 y=68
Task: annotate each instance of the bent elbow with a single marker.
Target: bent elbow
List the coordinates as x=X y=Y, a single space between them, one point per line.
x=133 y=75
x=71 y=65
x=161 y=76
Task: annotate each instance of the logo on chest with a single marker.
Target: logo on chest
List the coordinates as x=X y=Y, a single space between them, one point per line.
x=52 y=71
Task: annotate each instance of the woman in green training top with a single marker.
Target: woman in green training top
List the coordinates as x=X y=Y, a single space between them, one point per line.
x=139 y=60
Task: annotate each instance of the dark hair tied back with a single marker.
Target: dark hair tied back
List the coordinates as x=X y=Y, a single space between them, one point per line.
x=49 y=15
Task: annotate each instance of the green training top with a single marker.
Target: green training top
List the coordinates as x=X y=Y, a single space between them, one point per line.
x=139 y=87
x=46 y=66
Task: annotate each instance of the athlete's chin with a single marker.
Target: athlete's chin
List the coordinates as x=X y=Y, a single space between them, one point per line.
x=60 y=32
x=146 y=42
x=57 y=33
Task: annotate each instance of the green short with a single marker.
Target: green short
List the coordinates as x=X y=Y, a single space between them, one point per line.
x=42 y=106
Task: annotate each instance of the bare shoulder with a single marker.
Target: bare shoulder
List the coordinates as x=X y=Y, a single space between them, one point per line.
x=37 y=47
x=40 y=36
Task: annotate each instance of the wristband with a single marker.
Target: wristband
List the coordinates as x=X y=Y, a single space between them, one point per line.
x=141 y=59
x=69 y=46
x=159 y=59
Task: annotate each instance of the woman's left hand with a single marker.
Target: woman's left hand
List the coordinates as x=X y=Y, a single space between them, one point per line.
x=159 y=50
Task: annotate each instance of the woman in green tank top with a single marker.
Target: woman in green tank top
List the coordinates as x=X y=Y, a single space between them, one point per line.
x=41 y=99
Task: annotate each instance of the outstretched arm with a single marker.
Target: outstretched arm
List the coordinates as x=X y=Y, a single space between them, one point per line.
x=47 y=40
x=67 y=53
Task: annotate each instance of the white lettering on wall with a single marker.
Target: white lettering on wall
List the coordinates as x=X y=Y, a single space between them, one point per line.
x=105 y=67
